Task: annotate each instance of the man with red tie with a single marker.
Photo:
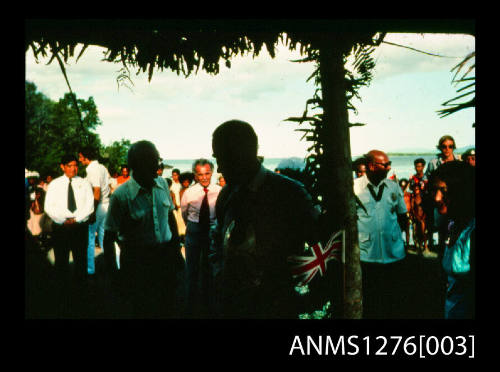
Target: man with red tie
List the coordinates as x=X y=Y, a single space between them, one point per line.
x=198 y=211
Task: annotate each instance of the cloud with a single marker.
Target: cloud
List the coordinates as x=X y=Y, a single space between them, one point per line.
x=179 y=114
x=393 y=60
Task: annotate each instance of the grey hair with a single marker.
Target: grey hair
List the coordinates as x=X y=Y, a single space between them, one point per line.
x=202 y=162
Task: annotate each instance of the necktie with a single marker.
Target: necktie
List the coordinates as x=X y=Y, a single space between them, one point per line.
x=205 y=210
x=380 y=191
x=71 y=198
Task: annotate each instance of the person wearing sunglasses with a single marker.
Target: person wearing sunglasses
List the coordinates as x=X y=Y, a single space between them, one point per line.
x=446 y=146
x=381 y=210
x=439 y=222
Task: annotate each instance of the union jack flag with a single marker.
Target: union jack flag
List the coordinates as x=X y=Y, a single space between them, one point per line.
x=308 y=266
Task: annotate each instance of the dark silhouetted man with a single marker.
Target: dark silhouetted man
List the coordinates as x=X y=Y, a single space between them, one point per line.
x=262 y=219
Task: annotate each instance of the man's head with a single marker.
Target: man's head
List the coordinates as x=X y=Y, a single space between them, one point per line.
x=143 y=159
x=446 y=145
x=203 y=169
x=419 y=165
x=87 y=154
x=377 y=165
x=469 y=157
x=359 y=167
x=234 y=145
x=175 y=175
x=453 y=189
x=124 y=170
x=69 y=165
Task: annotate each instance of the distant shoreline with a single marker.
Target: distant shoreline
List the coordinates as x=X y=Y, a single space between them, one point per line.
x=411 y=153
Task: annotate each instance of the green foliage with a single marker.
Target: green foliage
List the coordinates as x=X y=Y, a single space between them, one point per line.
x=115 y=155
x=324 y=313
x=53 y=129
x=454 y=105
x=358 y=76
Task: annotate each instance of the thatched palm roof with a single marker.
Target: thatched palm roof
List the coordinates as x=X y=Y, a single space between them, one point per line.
x=185 y=46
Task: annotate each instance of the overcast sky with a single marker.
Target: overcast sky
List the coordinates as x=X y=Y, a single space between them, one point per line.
x=179 y=114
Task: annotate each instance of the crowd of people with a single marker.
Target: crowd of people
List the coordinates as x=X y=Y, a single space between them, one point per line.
x=439 y=200
x=226 y=238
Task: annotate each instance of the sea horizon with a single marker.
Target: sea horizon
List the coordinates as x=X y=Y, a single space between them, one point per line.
x=402 y=163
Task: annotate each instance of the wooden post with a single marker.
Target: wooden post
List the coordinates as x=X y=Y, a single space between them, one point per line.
x=336 y=170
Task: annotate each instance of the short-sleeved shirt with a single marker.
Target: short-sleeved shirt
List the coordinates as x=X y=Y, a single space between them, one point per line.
x=98 y=176
x=138 y=216
x=380 y=237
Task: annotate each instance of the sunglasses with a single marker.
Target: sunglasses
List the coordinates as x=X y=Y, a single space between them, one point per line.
x=447 y=146
x=385 y=165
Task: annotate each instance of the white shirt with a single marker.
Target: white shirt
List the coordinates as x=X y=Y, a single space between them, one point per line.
x=176 y=188
x=192 y=199
x=56 y=199
x=98 y=176
x=140 y=217
x=380 y=237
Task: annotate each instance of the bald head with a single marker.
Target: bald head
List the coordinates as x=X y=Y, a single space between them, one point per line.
x=372 y=155
x=378 y=165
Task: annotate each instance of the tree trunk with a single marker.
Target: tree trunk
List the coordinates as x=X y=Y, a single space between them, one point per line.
x=336 y=179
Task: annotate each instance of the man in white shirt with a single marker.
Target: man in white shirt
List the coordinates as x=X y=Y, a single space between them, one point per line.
x=70 y=209
x=198 y=211
x=140 y=219
x=380 y=209
x=98 y=176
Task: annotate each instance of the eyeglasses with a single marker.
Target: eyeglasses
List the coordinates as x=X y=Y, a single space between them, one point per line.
x=385 y=165
x=447 y=146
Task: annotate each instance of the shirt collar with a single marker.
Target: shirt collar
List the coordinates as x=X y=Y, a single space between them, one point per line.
x=134 y=187
x=441 y=159
x=367 y=182
x=210 y=187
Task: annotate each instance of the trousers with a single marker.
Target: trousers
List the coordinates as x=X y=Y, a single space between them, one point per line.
x=149 y=279
x=196 y=244
x=97 y=226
